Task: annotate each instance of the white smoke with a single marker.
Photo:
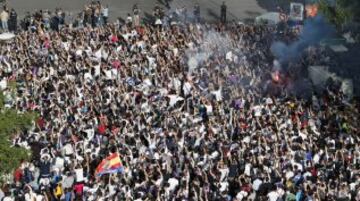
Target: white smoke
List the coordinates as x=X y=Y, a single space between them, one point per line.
x=211 y=43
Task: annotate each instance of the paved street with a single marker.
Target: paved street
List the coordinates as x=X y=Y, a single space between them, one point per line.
x=210 y=9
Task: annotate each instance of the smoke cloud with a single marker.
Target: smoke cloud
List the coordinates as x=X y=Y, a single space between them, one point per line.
x=211 y=43
x=314 y=30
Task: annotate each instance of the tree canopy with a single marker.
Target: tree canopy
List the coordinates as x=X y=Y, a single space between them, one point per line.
x=11 y=123
x=342 y=12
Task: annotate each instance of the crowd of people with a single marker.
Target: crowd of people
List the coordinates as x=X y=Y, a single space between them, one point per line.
x=194 y=111
x=94 y=14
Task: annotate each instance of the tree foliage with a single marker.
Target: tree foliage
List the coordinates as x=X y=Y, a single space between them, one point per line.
x=343 y=12
x=12 y=122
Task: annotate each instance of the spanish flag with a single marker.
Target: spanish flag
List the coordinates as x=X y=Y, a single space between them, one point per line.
x=109 y=165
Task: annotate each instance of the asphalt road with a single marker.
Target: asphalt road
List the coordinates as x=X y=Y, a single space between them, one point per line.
x=210 y=9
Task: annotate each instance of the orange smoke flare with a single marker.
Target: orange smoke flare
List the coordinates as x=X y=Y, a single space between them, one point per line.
x=311 y=10
x=276 y=76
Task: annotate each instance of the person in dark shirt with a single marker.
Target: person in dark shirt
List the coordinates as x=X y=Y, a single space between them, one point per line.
x=13 y=21
x=167 y=3
x=55 y=21
x=197 y=13
x=223 y=13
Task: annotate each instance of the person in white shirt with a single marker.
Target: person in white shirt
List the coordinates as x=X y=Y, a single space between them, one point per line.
x=8 y=198
x=173 y=183
x=256 y=184
x=129 y=20
x=105 y=14
x=273 y=196
x=4 y=16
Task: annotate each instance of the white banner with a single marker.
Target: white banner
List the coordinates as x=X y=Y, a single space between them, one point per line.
x=296 y=11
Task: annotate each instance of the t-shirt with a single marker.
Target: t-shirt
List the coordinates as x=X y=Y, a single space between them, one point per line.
x=18 y=174
x=177 y=84
x=217 y=95
x=68 y=149
x=39 y=197
x=102 y=129
x=248 y=169
x=174 y=99
x=290 y=197
x=229 y=56
x=273 y=196
x=257 y=110
x=209 y=109
x=256 y=184
x=187 y=88
x=68 y=182
x=3 y=84
x=4 y=16
x=105 y=12
x=58 y=191
x=79 y=175
x=1 y=194
x=8 y=198
x=78 y=188
x=223 y=186
x=224 y=172
x=98 y=54
x=59 y=162
x=289 y=175
x=173 y=184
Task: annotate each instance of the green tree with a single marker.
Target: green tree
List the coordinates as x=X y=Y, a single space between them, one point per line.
x=12 y=122
x=342 y=12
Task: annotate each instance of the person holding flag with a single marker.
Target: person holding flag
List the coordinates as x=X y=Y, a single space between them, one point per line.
x=111 y=164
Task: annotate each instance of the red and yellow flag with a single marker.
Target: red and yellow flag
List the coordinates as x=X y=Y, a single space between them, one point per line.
x=111 y=164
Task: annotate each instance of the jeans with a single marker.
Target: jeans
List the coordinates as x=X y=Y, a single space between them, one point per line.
x=105 y=19
x=223 y=17
x=99 y=21
x=4 y=25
